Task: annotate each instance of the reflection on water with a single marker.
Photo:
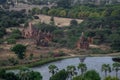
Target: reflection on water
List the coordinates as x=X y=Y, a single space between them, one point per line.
x=82 y=58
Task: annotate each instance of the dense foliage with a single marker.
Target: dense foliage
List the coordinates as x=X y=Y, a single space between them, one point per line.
x=68 y=73
x=19 y=50
x=61 y=75
x=12 y=18
x=2 y=1
x=100 y=22
x=23 y=74
x=2 y=32
x=72 y=2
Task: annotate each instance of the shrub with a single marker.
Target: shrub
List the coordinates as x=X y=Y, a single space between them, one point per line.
x=13 y=61
x=1 y=41
x=111 y=78
x=92 y=75
x=11 y=76
x=61 y=53
x=15 y=36
x=2 y=32
x=61 y=75
x=11 y=41
x=51 y=53
x=31 y=56
x=19 y=49
x=97 y=51
x=16 y=31
x=2 y=73
x=73 y=23
x=78 y=78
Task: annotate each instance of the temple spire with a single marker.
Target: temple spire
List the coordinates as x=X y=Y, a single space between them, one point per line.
x=82 y=34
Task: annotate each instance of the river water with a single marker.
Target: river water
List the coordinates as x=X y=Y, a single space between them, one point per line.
x=91 y=62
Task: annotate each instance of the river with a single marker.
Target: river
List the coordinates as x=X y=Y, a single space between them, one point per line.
x=91 y=62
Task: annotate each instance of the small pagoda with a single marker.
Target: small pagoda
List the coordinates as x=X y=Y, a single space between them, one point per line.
x=41 y=38
x=83 y=42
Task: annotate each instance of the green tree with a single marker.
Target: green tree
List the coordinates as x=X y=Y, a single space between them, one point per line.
x=44 y=10
x=94 y=15
x=111 y=78
x=35 y=75
x=2 y=73
x=106 y=12
x=52 y=12
x=115 y=13
x=63 y=13
x=73 y=23
x=45 y=27
x=82 y=67
x=11 y=76
x=19 y=49
x=90 y=33
x=71 y=71
x=106 y=68
x=79 y=77
x=35 y=11
x=58 y=33
x=64 y=3
x=53 y=69
x=26 y=74
x=92 y=75
x=2 y=32
x=116 y=67
x=61 y=75
x=115 y=41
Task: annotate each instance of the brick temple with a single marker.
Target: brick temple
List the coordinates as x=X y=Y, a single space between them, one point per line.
x=40 y=38
x=83 y=42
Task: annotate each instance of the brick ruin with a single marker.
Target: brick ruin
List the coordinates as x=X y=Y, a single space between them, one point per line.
x=41 y=38
x=83 y=43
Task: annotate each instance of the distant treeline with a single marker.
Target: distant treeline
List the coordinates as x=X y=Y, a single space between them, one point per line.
x=73 y=2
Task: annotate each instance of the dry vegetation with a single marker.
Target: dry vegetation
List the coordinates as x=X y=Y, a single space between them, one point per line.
x=60 y=22
x=5 y=48
x=6 y=53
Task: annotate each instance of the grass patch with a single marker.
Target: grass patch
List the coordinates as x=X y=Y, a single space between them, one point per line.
x=98 y=51
x=33 y=64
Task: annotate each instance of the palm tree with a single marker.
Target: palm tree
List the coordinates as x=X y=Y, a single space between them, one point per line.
x=27 y=74
x=106 y=68
x=71 y=71
x=82 y=67
x=53 y=69
x=24 y=73
x=116 y=67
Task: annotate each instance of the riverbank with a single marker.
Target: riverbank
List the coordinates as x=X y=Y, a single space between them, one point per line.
x=37 y=63
x=33 y=64
x=49 y=60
